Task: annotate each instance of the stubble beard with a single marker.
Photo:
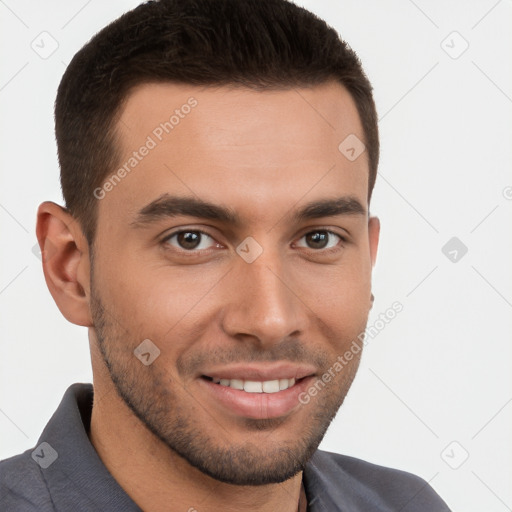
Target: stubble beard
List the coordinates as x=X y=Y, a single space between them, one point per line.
x=169 y=411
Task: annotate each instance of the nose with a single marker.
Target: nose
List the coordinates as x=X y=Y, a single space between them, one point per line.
x=265 y=303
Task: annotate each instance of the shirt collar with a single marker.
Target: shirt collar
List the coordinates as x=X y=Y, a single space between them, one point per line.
x=77 y=479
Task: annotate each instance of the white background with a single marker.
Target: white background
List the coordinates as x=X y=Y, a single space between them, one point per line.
x=441 y=370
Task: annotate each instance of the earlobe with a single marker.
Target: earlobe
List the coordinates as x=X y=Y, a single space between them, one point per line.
x=66 y=264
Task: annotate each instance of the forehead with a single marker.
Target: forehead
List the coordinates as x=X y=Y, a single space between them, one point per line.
x=238 y=115
x=252 y=149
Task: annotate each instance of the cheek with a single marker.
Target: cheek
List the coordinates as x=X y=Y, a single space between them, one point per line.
x=340 y=300
x=343 y=289
x=158 y=301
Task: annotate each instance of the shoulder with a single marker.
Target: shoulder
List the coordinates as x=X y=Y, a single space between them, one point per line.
x=22 y=485
x=365 y=485
x=334 y=463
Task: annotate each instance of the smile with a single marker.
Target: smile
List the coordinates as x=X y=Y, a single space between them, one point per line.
x=254 y=386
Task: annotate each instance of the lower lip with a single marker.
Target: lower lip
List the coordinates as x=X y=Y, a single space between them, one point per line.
x=257 y=405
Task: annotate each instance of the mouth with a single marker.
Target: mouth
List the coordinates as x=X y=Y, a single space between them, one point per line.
x=257 y=392
x=254 y=386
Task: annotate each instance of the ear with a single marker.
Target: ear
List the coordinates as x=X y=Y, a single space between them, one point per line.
x=373 y=237
x=66 y=264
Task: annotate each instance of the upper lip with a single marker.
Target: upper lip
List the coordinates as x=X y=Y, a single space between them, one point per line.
x=261 y=372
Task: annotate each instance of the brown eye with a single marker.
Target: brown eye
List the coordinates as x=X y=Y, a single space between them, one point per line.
x=188 y=240
x=317 y=239
x=321 y=239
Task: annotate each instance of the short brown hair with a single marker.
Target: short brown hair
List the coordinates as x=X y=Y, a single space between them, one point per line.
x=260 y=44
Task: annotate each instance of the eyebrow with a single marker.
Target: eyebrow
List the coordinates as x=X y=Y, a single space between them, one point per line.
x=167 y=206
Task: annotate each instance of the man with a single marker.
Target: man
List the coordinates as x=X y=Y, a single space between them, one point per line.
x=217 y=162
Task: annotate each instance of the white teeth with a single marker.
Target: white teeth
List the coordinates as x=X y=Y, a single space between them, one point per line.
x=271 y=386
x=236 y=384
x=253 y=386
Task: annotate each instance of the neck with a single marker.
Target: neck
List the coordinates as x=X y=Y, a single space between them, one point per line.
x=157 y=479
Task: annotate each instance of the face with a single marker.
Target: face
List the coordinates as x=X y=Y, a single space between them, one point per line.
x=238 y=245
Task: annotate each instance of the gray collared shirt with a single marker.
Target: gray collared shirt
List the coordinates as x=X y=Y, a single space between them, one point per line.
x=64 y=473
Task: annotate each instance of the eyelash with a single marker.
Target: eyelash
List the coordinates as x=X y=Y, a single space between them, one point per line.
x=202 y=252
